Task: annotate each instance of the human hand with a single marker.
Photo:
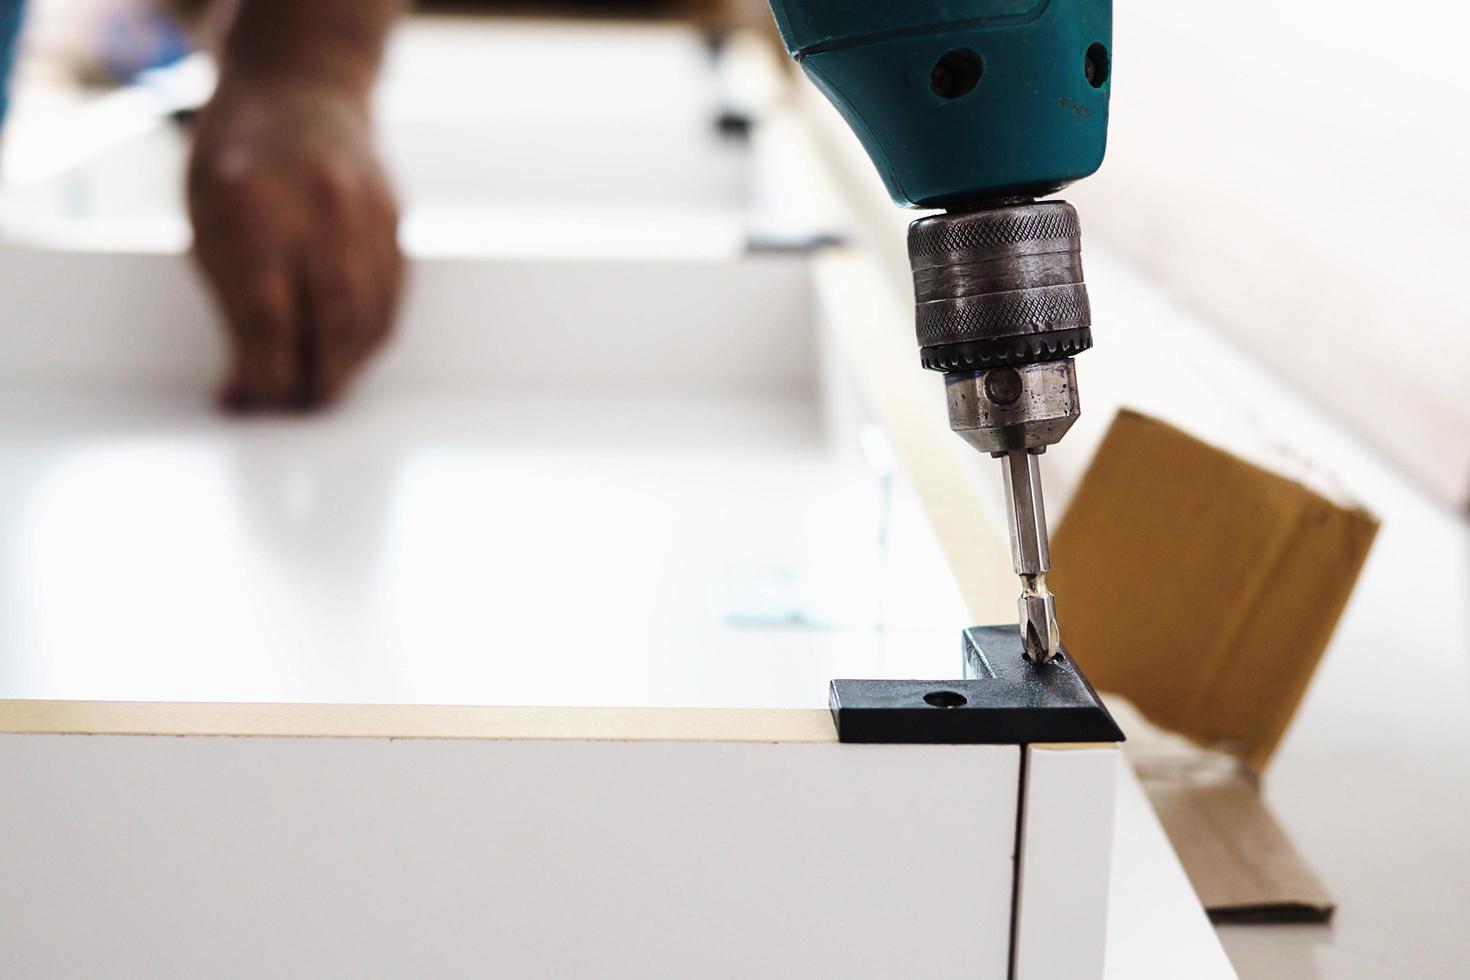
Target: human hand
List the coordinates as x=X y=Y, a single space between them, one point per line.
x=295 y=229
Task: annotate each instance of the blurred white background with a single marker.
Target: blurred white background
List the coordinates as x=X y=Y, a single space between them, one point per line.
x=1297 y=173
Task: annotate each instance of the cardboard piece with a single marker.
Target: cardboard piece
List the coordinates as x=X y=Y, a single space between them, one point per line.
x=1204 y=589
x=1242 y=865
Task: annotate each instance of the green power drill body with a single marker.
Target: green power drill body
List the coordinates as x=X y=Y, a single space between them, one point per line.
x=980 y=107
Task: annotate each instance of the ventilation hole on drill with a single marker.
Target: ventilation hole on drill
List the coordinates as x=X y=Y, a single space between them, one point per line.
x=1095 y=66
x=946 y=699
x=956 y=74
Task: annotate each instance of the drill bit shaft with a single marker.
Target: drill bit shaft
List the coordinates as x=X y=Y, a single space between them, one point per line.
x=1030 y=554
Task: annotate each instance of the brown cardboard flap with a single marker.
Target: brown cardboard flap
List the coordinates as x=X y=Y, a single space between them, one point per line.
x=1202 y=587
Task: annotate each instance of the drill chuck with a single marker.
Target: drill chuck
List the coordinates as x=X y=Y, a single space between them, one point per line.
x=1001 y=308
x=1000 y=286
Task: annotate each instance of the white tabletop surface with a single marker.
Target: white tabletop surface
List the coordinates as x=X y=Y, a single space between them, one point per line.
x=454 y=548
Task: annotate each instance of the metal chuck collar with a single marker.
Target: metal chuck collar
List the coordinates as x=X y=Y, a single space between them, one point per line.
x=1001 y=308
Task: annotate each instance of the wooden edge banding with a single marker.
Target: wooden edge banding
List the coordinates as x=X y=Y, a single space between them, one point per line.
x=416 y=721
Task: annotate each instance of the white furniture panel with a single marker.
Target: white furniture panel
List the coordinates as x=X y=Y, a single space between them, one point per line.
x=316 y=857
x=1065 y=843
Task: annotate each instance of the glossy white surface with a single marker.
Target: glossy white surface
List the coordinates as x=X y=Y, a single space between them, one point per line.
x=479 y=548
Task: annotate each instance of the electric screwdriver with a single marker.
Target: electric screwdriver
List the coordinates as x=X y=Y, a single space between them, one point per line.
x=979 y=108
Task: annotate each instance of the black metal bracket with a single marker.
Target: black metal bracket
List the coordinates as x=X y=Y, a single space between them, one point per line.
x=1004 y=699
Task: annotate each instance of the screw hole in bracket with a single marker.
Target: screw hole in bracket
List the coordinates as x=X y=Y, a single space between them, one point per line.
x=946 y=699
x=956 y=73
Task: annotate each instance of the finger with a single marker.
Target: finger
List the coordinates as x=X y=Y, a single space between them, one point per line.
x=380 y=237
x=390 y=264
x=338 y=325
x=262 y=319
x=240 y=254
x=355 y=275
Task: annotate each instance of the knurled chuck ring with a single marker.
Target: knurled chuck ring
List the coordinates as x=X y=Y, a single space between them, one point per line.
x=998 y=286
